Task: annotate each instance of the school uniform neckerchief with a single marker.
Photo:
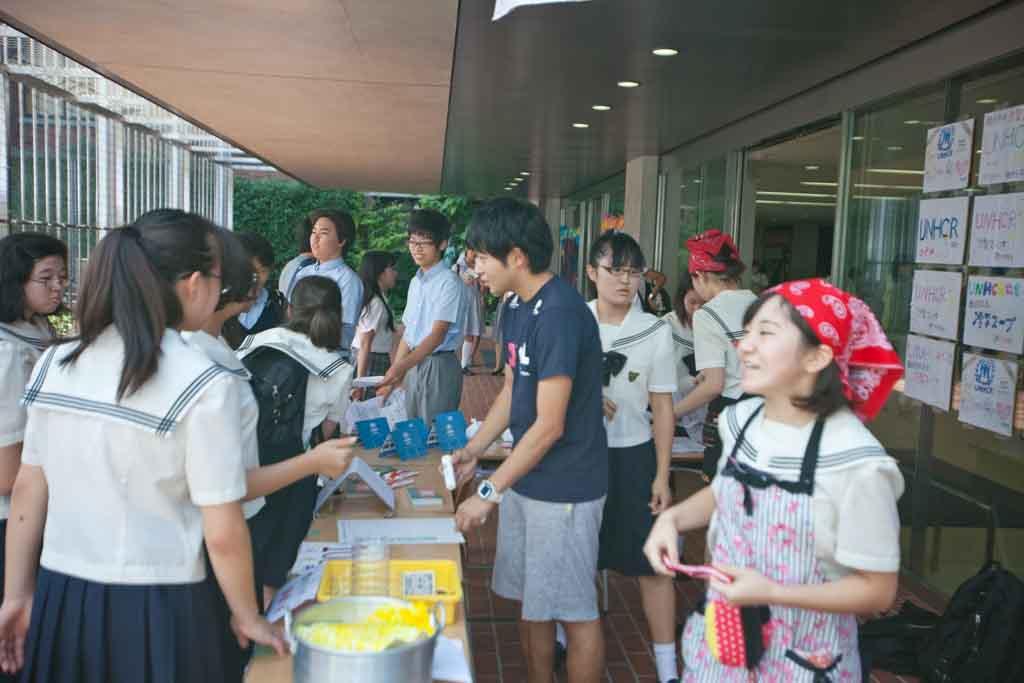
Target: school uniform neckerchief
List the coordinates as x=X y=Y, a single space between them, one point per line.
x=750 y=477
x=612 y=364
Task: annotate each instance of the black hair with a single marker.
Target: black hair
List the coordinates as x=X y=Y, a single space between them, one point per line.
x=623 y=249
x=18 y=256
x=685 y=287
x=258 y=247
x=729 y=258
x=344 y=226
x=374 y=263
x=827 y=397
x=129 y=283
x=237 y=276
x=501 y=225
x=303 y=231
x=316 y=311
x=429 y=222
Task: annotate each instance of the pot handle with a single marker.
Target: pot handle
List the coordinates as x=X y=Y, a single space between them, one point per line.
x=439 y=616
x=289 y=637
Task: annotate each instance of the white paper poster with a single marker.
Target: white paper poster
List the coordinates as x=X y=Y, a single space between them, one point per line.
x=994 y=318
x=942 y=230
x=935 y=303
x=997 y=231
x=929 y=365
x=948 y=154
x=1002 y=147
x=988 y=388
x=503 y=7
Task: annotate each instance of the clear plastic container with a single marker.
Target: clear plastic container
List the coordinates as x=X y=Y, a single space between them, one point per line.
x=370 y=569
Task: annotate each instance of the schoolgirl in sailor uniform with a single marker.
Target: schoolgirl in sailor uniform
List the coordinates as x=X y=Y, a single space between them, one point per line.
x=715 y=268
x=686 y=303
x=371 y=347
x=311 y=338
x=33 y=275
x=130 y=465
x=639 y=373
x=802 y=514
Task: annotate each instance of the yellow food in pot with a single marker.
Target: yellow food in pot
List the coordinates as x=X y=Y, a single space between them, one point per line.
x=386 y=627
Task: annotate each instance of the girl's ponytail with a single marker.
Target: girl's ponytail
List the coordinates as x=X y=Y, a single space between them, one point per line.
x=316 y=311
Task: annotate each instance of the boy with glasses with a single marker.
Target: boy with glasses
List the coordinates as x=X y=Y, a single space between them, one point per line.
x=434 y=318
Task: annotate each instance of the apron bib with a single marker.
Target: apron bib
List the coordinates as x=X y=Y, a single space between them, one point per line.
x=768 y=525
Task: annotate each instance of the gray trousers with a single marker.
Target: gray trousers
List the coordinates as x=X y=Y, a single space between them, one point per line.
x=433 y=387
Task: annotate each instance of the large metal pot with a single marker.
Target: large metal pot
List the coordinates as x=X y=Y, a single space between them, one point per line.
x=410 y=663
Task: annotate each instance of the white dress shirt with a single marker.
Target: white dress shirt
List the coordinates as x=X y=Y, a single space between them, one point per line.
x=435 y=295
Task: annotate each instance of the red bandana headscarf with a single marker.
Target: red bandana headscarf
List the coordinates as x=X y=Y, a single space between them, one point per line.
x=868 y=365
x=705 y=247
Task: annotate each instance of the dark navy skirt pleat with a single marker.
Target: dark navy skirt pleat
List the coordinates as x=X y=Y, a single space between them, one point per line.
x=4 y=678
x=87 y=632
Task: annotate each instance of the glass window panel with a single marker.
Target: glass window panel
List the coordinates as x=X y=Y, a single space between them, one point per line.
x=702 y=203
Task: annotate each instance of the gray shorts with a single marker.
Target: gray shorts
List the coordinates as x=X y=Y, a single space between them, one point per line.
x=434 y=386
x=547 y=557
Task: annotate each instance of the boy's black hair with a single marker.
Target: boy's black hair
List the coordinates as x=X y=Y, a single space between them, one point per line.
x=429 y=222
x=258 y=248
x=623 y=249
x=503 y=224
x=827 y=396
x=344 y=226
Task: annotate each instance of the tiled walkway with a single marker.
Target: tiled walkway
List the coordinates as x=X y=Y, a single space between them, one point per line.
x=492 y=620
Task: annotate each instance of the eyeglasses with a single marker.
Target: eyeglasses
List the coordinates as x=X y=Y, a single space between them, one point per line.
x=61 y=281
x=631 y=273
x=419 y=244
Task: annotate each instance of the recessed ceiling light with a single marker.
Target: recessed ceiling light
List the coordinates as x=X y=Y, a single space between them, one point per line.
x=580 y=124
x=895 y=148
x=665 y=52
x=628 y=84
x=857 y=138
x=601 y=107
x=812 y=167
x=912 y=122
x=698 y=181
x=524 y=173
x=987 y=100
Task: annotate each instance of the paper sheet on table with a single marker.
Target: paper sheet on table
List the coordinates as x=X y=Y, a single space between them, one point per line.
x=394 y=408
x=360 y=469
x=404 y=531
x=367 y=382
x=684 y=444
x=301 y=589
x=475 y=425
x=450 y=661
x=359 y=411
x=312 y=555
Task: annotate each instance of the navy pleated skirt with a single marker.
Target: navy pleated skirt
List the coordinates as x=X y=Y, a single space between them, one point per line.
x=87 y=632
x=627 y=518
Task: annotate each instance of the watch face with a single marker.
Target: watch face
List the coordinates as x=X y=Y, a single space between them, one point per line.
x=486 y=490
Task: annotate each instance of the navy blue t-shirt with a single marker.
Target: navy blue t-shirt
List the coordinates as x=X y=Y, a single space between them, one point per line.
x=555 y=334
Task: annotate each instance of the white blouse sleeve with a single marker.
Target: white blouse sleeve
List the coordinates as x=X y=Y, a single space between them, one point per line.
x=341 y=386
x=214 y=452
x=12 y=385
x=659 y=380
x=867 y=524
x=370 y=321
x=710 y=345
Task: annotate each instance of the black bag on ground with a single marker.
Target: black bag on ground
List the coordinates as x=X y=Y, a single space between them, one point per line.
x=893 y=643
x=981 y=636
x=279 y=384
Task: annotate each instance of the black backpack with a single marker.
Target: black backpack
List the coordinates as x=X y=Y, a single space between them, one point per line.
x=894 y=643
x=981 y=636
x=279 y=384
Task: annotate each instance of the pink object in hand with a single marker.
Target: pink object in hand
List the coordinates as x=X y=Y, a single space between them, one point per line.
x=699 y=571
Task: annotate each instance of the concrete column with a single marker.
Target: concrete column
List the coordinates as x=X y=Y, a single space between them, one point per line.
x=671 y=230
x=552 y=207
x=642 y=202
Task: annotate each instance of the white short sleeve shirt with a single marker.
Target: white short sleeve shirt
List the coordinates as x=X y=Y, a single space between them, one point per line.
x=717 y=327
x=435 y=295
x=375 y=319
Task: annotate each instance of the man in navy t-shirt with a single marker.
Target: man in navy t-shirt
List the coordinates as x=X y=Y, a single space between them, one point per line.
x=550 y=491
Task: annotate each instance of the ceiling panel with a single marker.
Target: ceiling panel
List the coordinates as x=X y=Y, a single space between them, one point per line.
x=521 y=82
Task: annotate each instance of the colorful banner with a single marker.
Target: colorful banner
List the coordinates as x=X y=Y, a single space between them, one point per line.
x=994 y=318
x=988 y=389
x=997 y=231
x=1002 y=147
x=935 y=303
x=929 y=370
x=948 y=154
x=942 y=230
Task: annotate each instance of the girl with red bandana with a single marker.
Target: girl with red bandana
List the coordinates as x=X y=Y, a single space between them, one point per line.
x=715 y=268
x=803 y=519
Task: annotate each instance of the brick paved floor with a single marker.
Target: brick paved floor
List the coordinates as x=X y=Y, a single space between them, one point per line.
x=492 y=620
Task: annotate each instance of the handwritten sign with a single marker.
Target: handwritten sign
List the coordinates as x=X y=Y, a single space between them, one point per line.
x=1002 y=147
x=942 y=230
x=997 y=231
x=929 y=365
x=935 y=303
x=988 y=388
x=994 y=318
x=948 y=154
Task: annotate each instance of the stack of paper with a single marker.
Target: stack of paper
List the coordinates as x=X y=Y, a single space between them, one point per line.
x=312 y=555
x=450 y=661
x=404 y=531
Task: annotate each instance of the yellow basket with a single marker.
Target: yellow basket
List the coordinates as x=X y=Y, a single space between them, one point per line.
x=337 y=580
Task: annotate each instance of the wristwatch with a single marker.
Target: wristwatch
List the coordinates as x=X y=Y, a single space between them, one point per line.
x=488 y=492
